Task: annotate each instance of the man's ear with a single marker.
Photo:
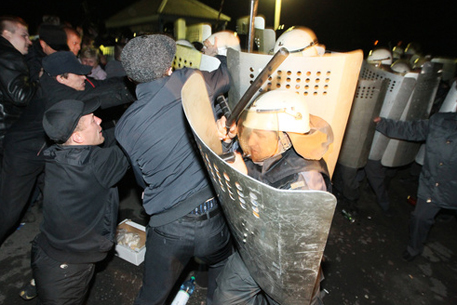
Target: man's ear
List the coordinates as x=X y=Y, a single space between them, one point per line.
x=61 y=79
x=6 y=34
x=77 y=137
x=42 y=44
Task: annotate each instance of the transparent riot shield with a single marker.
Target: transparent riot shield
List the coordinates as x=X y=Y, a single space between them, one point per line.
x=360 y=128
x=280 y=234
x=399 y=152
x=399 y=91
x=328 y=83
x=449 y=105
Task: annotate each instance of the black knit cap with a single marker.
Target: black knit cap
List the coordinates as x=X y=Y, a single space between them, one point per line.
x=61 y=119
x=62 y=62
x=146 y=58
x=54 y=35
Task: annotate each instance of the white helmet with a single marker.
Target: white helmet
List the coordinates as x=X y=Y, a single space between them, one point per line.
x=412 y=48
x=278 y=110
x=397 y=52
x=420 y=61
x=281 y=111
x=400 y=66
x=225 y=39
x=380 y=56
x=299 y=39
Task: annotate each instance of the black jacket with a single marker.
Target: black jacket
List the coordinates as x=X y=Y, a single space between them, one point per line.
x=16 y=88
x=81 y=201
x=283 y=170
x=112 y=92
x=155 y=134
x=438 y=178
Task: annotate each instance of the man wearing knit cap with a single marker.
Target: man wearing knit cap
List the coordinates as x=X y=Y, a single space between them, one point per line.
x=80 y=202
x=186 y=220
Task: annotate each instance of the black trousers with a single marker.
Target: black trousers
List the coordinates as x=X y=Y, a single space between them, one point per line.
x=19 y=175
x=422 y=219
x=60 y=282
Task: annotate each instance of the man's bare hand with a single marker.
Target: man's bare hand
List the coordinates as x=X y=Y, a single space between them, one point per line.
x=209 y=48
x=222 y=130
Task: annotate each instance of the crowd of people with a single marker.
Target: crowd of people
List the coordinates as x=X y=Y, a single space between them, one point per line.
x=56 y=98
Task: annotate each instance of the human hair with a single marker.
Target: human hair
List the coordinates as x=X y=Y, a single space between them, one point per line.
x=70 y=30
x=10 y=23
x=89 y=52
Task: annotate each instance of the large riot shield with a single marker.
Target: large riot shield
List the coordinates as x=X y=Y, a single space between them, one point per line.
x=280 y=234
x=328 y=83
x=398 y=93
x=399 y=152
x=360 y=128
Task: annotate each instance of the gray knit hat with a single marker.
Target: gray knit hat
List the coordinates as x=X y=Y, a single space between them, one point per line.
x=148 y=57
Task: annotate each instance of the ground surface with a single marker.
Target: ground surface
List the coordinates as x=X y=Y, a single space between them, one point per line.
x=362 y=265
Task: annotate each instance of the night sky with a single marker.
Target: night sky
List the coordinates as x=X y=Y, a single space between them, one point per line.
x=342 y=25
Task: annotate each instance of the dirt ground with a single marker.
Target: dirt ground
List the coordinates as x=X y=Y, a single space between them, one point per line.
x=362 y=265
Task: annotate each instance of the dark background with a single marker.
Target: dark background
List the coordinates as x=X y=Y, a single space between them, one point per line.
x=342 y=25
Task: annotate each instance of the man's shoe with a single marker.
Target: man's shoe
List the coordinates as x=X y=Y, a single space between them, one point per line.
x=408 y=257
x=28 y=292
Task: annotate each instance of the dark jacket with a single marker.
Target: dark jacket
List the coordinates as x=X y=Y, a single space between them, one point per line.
x=155 y=134
x=16 y=88
x=438 y=178
x=111 y=92
x=283 y=170
x=81 y=201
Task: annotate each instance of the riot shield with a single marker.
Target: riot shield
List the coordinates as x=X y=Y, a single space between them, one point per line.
x=450 y=102
x=191 y=58
x=399 y=91
x=400 y=152
x=328 y=83
x=449 y=68
x=360 y=128
x=265 y=40
x=280 y=234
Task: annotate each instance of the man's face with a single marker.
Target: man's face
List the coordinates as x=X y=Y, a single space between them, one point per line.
x=74 y=43
x=91 y=131
x=19 y=39
x=259 y=145
x=75 y=81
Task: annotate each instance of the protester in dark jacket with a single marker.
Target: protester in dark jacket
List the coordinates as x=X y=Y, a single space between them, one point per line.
x=51 y=38
x=80 y=202
x=16 y=88
x=438 y=178
x=64 y=78
x=178 y=196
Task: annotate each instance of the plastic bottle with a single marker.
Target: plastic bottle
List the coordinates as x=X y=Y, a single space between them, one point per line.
x=186 y=290
x=348 y=216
